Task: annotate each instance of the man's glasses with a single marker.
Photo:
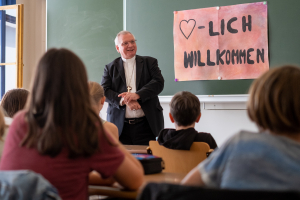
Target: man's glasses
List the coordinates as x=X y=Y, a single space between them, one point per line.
x=125 y=44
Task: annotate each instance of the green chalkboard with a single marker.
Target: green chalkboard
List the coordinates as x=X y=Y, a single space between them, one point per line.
x=87 y=27
x=152 y=24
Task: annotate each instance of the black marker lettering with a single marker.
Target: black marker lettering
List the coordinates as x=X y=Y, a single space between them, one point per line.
x=261 y=55
x=200 y=64
x=229 y=28
x=219 y=56
x=227 y=57
x=249 y=24
x=222 y=26
x=209 y=63
x=235 y=54
x=242 y=54
x=249 y=61
x=188 y=59
x=211 y=31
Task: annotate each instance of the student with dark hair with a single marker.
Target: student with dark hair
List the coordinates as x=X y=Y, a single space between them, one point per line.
x=184 y=112
x=61 y=137
x=14 y=100
x=270 y=159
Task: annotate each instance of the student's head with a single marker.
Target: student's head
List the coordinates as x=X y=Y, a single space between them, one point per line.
x=97 y=94
x=274 y=101
x=125 y=44
x=185 y=108
x=60 y=112
x=14 y=100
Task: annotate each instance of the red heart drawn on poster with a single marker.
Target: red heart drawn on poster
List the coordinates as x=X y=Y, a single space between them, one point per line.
x=187 y=27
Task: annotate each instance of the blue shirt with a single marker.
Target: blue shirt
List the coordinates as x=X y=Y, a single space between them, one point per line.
x=254 y=161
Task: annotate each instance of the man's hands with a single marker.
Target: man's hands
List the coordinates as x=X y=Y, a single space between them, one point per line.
x=133 y=105
x=127 y=96
x=130 y=99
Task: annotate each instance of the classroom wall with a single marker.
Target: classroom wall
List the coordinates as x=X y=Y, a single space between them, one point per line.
x=221 y=123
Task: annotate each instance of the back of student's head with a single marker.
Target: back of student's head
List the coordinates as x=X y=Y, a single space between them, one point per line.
x=60 y=107
x=96 y=91
x=185 y=108
x=14 y=100
x=274 y=101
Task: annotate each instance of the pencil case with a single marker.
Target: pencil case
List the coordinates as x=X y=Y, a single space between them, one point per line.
x=151 y=164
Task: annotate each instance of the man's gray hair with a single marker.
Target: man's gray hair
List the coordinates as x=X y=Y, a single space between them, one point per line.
x=122 y=33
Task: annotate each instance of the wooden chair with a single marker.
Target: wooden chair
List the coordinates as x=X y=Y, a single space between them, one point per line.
x=180 y=161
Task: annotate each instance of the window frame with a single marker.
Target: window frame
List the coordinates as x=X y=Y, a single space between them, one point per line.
x=19 y=41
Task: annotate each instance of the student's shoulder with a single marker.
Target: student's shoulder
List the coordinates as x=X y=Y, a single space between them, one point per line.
x=112 y=128
x=19 y=126
x=110 y=125
x=264 y=140
x=19 y=117
x=208 y=138
x=245 y=135
x=203 y=135
x=244 y=140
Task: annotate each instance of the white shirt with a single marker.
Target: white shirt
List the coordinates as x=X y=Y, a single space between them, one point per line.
x=130 y=75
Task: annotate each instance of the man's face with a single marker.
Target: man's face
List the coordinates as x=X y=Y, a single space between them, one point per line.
x=127 y=46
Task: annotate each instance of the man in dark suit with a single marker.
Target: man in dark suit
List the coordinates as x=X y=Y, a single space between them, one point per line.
x=131 y=84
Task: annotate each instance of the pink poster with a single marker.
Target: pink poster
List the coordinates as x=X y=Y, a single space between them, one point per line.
x=228 y=42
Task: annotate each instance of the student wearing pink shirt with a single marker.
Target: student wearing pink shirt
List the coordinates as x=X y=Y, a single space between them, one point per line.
x=61 y=137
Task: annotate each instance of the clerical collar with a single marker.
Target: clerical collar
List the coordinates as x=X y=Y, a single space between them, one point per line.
x=130 y=60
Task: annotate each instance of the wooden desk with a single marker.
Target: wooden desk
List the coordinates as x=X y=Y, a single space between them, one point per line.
x=120 y=193
x=136 y=148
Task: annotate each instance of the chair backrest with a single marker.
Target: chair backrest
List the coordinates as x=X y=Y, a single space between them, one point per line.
x=166 y=191
x=180 y=161
x=25 y=184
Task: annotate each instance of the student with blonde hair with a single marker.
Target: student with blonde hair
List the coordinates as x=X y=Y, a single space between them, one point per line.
x=97 y=93
x=61 y=137
x=98 y=99
x=270 y=159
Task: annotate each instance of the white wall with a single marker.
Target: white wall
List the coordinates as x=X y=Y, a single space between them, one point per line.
x=222 y=122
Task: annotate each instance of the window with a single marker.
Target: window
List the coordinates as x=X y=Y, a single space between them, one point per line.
x=11 y=47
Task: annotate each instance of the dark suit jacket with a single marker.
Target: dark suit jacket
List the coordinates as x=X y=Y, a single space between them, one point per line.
x=149 y=83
